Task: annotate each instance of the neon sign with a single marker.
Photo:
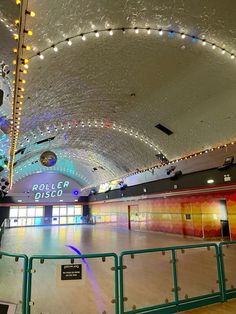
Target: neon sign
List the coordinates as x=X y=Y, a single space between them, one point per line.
x=49 y=189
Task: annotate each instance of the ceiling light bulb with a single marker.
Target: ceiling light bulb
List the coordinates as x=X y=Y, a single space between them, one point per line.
x=25 y=71
x=232 y=56
x=29 y=32
x=18 y=2
x=69 y=42
x=213 y=46
x=17 y=22
x=223 y=51
x=27 y=47
x=41 y=56
x=148 y=31
x=83 y=37
x=96 y=33
x=110 y=32
x=32 y=13
x=15 y=50
x=183 y=35
x=26 y=66
x=136 y=30
x=204 y=42
x=160 y=32
x=55 y=48
x=16 y=36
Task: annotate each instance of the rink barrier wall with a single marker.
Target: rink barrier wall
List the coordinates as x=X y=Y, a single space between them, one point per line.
x=223 y=294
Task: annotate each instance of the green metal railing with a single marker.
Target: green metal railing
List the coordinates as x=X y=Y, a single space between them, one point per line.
x=17 y=258
x=228 y=269
x=220 y=270
x=178 y=303
x=72 y=258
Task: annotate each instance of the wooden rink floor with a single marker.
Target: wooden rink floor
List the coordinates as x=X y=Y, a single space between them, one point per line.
x=148 y=277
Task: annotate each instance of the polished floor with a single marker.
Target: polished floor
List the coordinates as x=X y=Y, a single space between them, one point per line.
x=226 y=308
x=148 y=277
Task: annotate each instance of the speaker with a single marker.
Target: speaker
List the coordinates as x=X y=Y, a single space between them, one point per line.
x=176 y=175
x=227 y=163
x=1 y=97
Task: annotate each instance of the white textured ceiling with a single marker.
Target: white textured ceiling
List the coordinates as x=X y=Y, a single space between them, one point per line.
x=185 y=86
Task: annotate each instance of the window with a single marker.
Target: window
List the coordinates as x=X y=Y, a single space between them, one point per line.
x=26 y=211
x=68 y=214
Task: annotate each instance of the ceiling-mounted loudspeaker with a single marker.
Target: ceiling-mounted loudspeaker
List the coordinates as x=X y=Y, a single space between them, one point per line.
x=227 y=163
x=176 y=175
x=93 y=191
x=170 y=170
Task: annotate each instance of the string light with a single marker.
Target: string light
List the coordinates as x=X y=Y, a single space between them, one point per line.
x=29 y=32
x=31 y=13
x=69 y=42
x=55 y=48
x=161 y=31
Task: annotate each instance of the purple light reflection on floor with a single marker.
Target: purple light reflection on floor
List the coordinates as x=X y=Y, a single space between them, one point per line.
x=94 y=285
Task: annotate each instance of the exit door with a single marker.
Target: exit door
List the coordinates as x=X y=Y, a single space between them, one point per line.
x=133 y=217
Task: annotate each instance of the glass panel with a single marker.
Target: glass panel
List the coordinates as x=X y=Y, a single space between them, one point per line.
x=71 y=220
x=22 y=211
x=30 y=221
x=201 y=281
x=14 y=212
x=63 y=211
x=229 y=252
x=78 y=210
x=63 y=220
x=91 y=294
x=39 y=211
x=31 y=212
x=55 y=211
x=70 y=210
x=13 y=222
x=55 y=220
x=78 y=219
x=21 y=222
x=11 y=279
x=144 y=284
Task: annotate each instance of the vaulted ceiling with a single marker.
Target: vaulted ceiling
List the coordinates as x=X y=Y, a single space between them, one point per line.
x=98 y=100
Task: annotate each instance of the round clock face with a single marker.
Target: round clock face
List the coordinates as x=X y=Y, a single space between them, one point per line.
x=48 y=159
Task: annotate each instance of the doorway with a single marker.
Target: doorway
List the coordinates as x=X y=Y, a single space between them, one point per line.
x=133 y=217
x=224 y=222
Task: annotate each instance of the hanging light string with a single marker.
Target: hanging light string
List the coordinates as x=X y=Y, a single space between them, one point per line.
x=136 y=30
x=95 y=124
x=114 y=126
x=21 y=65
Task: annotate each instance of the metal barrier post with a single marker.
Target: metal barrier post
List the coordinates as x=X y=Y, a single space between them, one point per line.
x=176 y=288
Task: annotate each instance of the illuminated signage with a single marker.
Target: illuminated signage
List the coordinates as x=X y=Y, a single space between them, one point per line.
x=47 y=190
